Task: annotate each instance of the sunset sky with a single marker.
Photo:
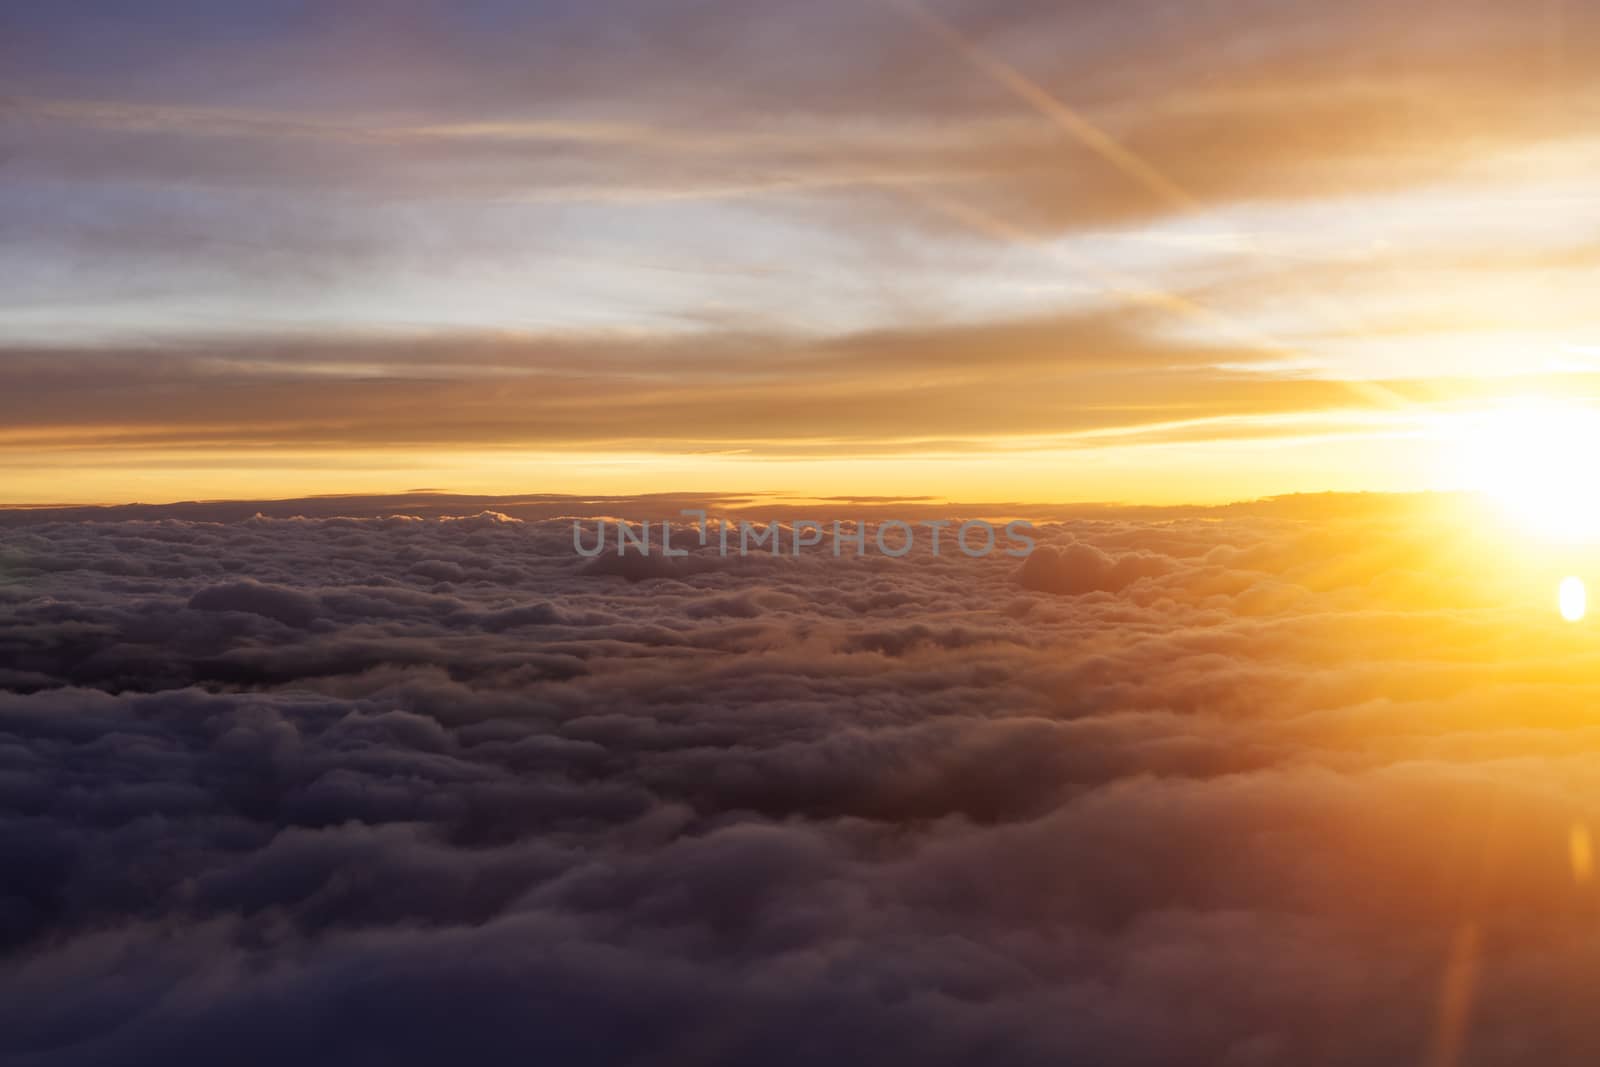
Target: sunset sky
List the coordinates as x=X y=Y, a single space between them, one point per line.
x=1143 y=251
x=368 y=696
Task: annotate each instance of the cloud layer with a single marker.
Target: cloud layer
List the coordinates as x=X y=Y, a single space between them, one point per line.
x=1278 y=785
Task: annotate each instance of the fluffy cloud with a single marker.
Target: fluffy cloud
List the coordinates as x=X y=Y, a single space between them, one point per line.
x=1083 y=568
x=1244 y=786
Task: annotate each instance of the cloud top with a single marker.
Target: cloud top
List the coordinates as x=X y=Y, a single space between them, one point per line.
x=1241 y=787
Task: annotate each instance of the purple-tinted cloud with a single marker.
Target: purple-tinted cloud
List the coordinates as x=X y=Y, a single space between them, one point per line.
x=1197 y=788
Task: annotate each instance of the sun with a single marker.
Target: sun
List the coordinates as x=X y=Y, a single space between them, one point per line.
x=1536 y=458
x=1573 y=599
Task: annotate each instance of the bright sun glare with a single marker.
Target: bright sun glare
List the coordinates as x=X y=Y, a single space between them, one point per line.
x=1574 y=599
x=1535 y=458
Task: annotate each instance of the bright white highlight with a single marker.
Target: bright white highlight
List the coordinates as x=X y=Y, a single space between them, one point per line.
x=1574 y=599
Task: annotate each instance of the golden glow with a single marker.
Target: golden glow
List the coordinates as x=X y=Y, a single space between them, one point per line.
x=1106 y=469
x=1535 y=457
x=1574 y=599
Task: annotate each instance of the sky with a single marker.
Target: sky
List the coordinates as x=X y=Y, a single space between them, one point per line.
x=1141 y=252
